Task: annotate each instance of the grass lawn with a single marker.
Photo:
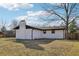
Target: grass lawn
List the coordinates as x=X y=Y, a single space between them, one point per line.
x=9 y=46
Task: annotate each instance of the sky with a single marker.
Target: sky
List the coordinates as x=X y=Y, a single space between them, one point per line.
x=20 y=11
x=9 y=12
x=31 y=12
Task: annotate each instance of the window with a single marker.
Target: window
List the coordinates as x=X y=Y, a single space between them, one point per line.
x=44 y=31
x=53 y=31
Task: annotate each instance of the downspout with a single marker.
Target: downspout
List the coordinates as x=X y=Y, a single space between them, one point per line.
x=32 y=34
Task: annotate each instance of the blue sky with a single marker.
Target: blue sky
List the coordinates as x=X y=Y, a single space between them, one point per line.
x=8 y=15
x=9 y=12
x=30 y=12
x=20 y=11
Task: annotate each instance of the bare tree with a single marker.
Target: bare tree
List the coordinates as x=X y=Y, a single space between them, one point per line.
x=13 y=24
x=64 y=11
x=3 y=26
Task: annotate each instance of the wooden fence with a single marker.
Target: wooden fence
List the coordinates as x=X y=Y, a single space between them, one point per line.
x=73 y=36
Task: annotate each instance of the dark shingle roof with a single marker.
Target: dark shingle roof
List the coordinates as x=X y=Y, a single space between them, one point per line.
x=27 y=27
x=44 y=28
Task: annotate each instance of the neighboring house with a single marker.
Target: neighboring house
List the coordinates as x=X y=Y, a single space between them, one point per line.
x=2 y=34
x=24 y=31
x=10 y=33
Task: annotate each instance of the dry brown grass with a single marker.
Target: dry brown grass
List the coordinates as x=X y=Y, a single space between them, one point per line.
x=9 y=46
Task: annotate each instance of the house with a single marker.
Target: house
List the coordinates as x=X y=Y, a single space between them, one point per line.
x=24 y=31
x=2 y=34
x=10 y=33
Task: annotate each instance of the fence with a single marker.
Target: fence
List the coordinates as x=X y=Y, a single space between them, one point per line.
x=73 y=36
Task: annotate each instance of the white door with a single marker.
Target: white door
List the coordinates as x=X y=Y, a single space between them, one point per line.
x=28 y=33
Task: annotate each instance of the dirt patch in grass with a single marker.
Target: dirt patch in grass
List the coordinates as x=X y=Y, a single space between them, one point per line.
x=10 y=46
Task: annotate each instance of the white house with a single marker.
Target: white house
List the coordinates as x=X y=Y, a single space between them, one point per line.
x=24 y=31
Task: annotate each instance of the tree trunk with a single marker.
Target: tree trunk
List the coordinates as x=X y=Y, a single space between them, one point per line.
x=66 y=34
x=66 y=31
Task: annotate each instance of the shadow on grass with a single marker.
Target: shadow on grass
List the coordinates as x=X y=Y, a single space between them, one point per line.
x=34 y=44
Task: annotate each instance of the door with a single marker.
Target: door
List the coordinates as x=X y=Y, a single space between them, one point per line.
x=28 y=33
